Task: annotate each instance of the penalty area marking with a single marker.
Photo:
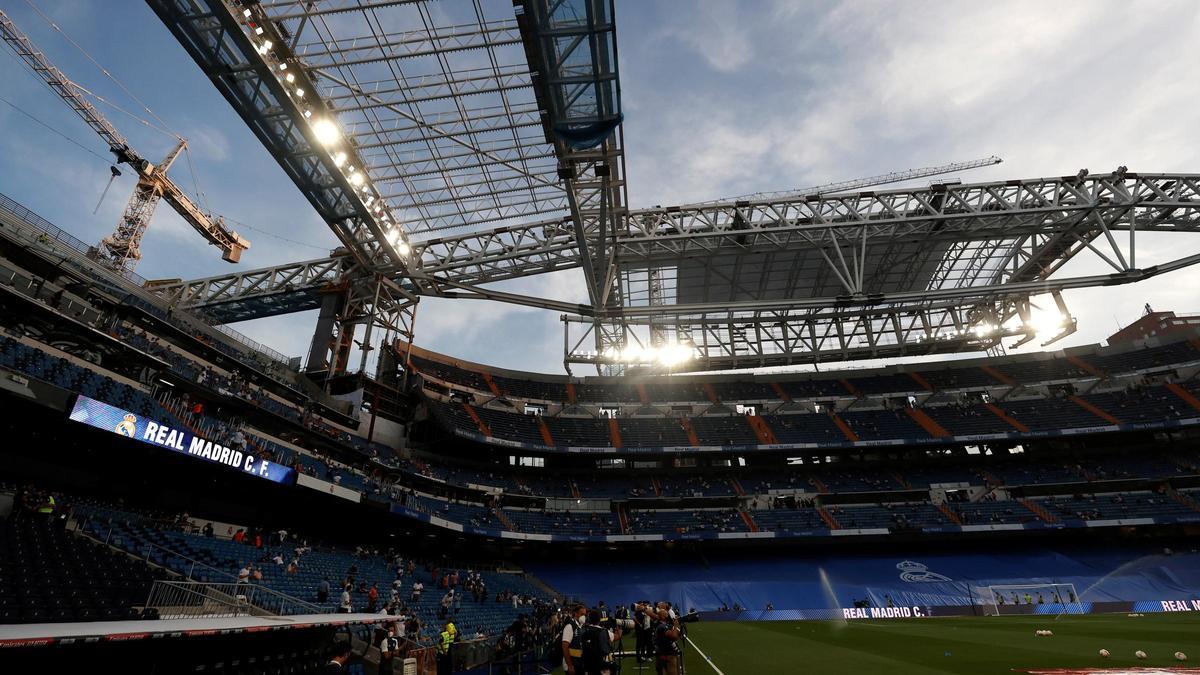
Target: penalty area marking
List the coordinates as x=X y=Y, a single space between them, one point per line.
x=704 y=656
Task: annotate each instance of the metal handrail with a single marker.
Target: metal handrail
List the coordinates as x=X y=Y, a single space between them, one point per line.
x=147 y=546
x=178 y=599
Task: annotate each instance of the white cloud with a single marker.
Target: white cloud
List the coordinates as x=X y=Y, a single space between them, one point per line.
x=713 y=31
x=731 y=97
x=207 y=143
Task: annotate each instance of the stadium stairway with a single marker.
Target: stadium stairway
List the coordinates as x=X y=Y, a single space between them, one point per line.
x=927 y=423
x=614 y=433
x=1008 y=419
x=1038 y=511
x=623 y=519
x=1087 y=474
x=749 y=520
x=761 y=430
x=819 y=485
x=1183 y=499
x=1088 y=406
x=783 y=395
x=737 y=487
x=850 y=388
x=547 y=437
x=845 y=428
x=828 y=518
x=899 y=477
x=483 y=427
x=950 y=514
x=693 y=439
x=920 y=380
x=487 y=378
x=1085 y=366
x=508 y=523
x=1185 y=395
x=998 y=376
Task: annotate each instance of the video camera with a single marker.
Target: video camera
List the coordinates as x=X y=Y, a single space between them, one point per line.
x=690 y=617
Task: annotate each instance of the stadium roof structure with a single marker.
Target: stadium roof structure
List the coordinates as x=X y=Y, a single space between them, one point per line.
x=451 y=146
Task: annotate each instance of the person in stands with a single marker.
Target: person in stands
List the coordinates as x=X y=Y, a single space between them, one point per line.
x=323 y=591
x=345 y=606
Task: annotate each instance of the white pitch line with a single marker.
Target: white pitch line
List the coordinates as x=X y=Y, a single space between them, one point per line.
x=710 y=662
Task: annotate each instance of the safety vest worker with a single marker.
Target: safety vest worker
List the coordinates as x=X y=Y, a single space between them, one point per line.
x=47 y=506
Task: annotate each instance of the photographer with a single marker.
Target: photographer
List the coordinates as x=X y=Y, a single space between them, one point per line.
x=644 y=623
x=596 y=644
x=571 y=639
x=666 y=643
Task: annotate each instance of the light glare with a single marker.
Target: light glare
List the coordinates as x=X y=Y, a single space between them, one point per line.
x=327 y=132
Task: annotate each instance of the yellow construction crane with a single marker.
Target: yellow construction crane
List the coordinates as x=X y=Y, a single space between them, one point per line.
x=122 y=249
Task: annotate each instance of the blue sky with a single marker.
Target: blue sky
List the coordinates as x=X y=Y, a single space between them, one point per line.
x=721 y=98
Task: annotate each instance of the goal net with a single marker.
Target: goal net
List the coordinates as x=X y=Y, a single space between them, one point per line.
x=1029 y=599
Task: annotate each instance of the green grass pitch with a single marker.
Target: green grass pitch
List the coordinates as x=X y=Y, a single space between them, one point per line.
x=976 y=645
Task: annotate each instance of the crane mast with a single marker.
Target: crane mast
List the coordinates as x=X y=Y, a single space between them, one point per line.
x=122 y=249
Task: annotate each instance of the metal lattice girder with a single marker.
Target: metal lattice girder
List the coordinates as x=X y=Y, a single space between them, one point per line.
x=434 y=98
x=359 y=96
x=217 y=35
x=283 y=289
x=356 y=50
x=450 y=125
x=1018 y=209
x=573 y=47
x=1011 y=233
x=785 y=337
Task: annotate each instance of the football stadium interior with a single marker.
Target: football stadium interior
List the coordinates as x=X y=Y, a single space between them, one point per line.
x=846 y=428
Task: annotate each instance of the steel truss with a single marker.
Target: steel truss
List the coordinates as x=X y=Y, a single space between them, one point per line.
x=231 y=45
x=511 y=163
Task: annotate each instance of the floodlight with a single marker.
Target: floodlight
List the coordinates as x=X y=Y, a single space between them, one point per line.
x=327 y=132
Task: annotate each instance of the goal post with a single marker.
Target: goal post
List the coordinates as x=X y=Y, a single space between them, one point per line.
x=1052 y=598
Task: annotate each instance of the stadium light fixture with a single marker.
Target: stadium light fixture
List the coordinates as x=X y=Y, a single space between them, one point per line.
x=675 y=354
x=326 y=131
x=984 y=330
x=668 y=355
x=1046 y=323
